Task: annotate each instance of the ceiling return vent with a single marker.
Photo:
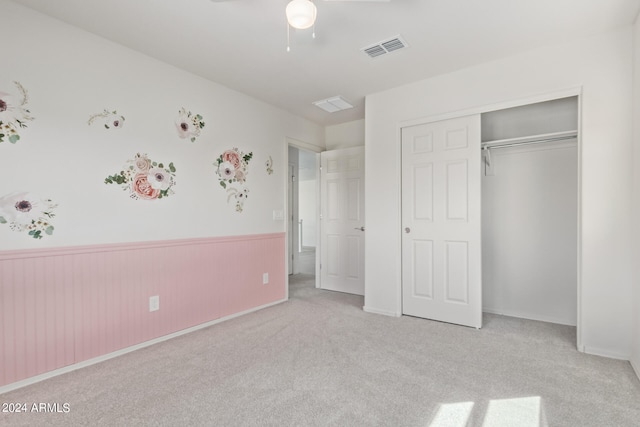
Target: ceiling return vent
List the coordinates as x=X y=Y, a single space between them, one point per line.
x=385 y=46
x=331 y=105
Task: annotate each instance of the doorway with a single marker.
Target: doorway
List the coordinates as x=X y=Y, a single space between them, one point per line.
x=303 y=210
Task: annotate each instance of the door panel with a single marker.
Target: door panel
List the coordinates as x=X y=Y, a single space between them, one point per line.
x=342 y=220
x=457 y=279
x=422 y=255
x=423 y=201
x=441 y=250
x=457 y=194
x=353 y=199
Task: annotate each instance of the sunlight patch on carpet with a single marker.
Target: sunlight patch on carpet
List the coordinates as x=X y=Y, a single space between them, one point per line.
x=452 y=415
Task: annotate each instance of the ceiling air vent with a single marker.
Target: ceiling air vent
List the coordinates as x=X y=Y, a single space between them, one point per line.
x=384 y=47
x=331 y=105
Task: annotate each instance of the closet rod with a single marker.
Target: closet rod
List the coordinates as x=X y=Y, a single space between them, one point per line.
x=526 y=141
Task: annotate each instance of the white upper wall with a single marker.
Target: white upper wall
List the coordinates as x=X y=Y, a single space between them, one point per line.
x=70 y=75
x=602 y=67
x=345 y=135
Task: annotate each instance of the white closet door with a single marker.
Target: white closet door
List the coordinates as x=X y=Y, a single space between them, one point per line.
x=441 y=247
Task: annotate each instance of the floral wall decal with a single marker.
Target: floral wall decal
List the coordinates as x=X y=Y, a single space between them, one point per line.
x=27 y=212
x=188 y=124
x=240 y=195
x=13 y=114
x=232 y=174
x=144 y=178
x=269 y=165
x=111 y=119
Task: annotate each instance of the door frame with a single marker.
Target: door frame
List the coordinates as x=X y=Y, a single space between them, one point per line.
x=301 y=145
x=292 y=204
x=549 y=96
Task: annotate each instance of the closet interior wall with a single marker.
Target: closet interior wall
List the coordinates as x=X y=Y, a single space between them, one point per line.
x=530 y=213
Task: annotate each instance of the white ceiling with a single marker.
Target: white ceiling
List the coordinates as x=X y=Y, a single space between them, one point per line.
x=242 y=43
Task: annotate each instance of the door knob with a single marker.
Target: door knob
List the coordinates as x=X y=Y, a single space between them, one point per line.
x=359 y=228
x=407 y=230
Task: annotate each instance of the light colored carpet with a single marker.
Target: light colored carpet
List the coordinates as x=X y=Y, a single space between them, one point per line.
x=320 y=360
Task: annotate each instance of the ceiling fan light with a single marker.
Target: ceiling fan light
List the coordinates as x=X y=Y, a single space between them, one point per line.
x=301 y=14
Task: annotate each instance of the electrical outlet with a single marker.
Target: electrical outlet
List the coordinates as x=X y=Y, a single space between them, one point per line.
x=154 y=303
x=265 y=278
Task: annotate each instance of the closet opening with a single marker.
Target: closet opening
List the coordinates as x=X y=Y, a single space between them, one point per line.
x=530 y=211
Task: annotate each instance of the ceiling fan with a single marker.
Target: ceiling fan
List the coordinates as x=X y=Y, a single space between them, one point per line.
x=301 y=14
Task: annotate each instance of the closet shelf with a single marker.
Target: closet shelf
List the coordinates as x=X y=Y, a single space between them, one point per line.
x=533 y=139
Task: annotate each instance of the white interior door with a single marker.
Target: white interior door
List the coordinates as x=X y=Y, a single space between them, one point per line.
x=441 y=246
x=342 y=220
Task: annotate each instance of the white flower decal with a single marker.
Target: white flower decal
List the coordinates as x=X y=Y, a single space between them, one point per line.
x=27 y=212
x=159 y=179
x=13 y=114
x=226 y=171
x=189 y=125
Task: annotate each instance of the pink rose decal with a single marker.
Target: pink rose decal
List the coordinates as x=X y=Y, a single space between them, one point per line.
x=232 y=157
x=142 y=163
x=145 y=179
x=143 y=188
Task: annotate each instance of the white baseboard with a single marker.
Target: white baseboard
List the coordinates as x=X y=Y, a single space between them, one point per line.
x=32 y=380
x=635 y=364
x=606 y=353
x=383 y=312
x=527 y=316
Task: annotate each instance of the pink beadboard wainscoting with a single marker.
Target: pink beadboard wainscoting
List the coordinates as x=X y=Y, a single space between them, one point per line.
x=63 y=306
